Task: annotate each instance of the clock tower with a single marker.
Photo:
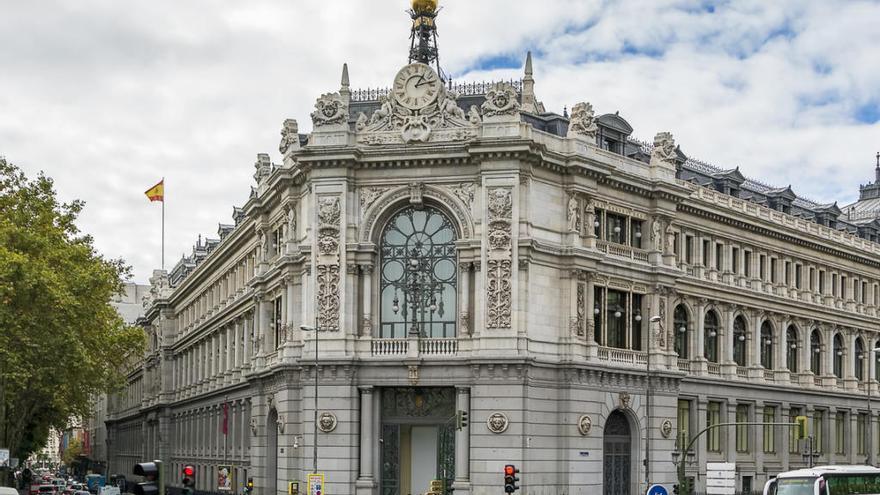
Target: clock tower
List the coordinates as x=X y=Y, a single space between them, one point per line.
x=423 y=39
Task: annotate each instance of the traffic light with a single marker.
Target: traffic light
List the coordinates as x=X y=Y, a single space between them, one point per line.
x=801 y=426
x=510 y=479
x=151 y=471
x=675 y=489
x=249 y=487
x=461 y=419
x=187 y=478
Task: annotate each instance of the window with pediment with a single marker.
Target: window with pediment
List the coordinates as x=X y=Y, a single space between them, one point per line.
x=418 y=279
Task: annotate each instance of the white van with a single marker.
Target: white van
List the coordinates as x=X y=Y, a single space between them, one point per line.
x=826 y=480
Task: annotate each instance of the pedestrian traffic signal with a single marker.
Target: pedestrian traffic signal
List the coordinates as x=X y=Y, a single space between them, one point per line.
x=461 y=419
x=250 y=485
x=675 y=489
x=801 y=426
x=150 y=472
x=187 y=478
x=510 y=479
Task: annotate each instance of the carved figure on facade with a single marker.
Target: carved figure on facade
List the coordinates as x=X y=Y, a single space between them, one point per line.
x=664 y=153
x=263 y=168
x=369 y=195
x=499 y=263
x=289 y=136
x=584 y=424
x=449 y=106
x=474 y=116
x=500 y=101
x=581 y=303
x=465 y=192
x=666 y=428
x=582 y=121
x=625 y=400
x=670 y=239
x=327 y=422
x=264 y=246
x=416 y=194
x=160 y=288
x=497 y=422
x=589 y=215
x=329 y=109
x=280 y=422
x=656 y=229
x=661 y=333
x=253 y=424
x=384 y=112
x=291 y=222
x=327 y=266
x=574 y=214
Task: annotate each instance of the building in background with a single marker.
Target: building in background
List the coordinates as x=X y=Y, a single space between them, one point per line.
x=588 y=300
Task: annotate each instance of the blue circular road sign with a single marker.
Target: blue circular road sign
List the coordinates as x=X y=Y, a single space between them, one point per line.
x=657 y=490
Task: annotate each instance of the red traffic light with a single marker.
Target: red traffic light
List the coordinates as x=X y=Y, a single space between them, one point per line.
x=189 y=471
x=509 y=470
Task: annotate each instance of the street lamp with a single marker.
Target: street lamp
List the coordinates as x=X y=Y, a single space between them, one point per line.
x=659 y=322
x=315 y=329
x=872 y=365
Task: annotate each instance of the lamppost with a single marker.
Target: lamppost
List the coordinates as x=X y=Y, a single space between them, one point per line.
x=872 y=366
x=648 y=389
x=317 y=331
x=419 y=287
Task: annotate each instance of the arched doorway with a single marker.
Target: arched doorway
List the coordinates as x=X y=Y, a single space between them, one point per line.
x=272 y=452
x=617 y=452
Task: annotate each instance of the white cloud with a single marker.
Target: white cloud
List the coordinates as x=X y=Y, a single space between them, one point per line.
x=107 y=97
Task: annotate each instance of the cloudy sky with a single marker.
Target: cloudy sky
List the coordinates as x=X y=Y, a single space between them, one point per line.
x=107 y=97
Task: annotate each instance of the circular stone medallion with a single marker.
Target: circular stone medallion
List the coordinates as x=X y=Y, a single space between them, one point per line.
x=497 y=423
x=327 y=422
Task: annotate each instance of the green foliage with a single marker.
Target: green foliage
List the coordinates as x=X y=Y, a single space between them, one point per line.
x=62 y=342
x=74 y=448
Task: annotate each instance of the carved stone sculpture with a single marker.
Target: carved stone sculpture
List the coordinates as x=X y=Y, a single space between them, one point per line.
x=449 y=106
x=670 y=239
x=582 y=121
x=500 y=101
x=327 y=274
x=664 y=153
x=291 y=222
x=361 y=122
x=625 y=400
x=327 y=422
x=264 y=246
x=474 y=115
x=574 y=215
x=369 y=195
x=263 y=168
x=329 y=109
x=497 y=422
x=498 y=265
x=585 y=424
x=289 y=136
x=666 y=428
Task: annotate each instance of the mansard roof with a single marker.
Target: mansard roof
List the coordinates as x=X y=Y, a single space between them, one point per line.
x=732 y=174
x=616 y=122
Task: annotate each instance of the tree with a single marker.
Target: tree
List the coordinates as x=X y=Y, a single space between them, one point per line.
x=73 y=450
x=61 y=341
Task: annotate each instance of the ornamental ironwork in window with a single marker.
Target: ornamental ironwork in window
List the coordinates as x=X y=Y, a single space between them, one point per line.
x=419 y=278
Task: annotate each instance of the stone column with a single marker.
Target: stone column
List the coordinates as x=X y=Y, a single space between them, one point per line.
x=247 y=350
x=464 y=296
x=290 y=319
x=367 y=301
x=730 y=442
x=366 y=482
x=785 y=436
x=699 y=339
x=462 y=483
x=727 y=339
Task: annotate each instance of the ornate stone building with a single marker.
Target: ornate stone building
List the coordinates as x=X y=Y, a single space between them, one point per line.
x=588 y=299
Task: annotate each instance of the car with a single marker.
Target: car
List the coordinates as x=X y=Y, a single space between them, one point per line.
x=5 y=490
x=82 y=492
x=47 y=489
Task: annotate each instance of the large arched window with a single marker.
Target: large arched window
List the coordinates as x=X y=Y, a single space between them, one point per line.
x=710 y=337
x=739 y=341
x=791 y=345
x=860 y=360
x=418 y=275
x=680 y=320
x=816 y=353
x=838 y=356
x=767 y=345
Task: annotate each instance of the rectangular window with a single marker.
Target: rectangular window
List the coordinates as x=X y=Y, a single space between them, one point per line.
x=706 y=253
x=615 y=228
x=834 y=291
x=773 y=275
x=636 y=234
x=747 y=263
x=684 y=424
x=840 y=433
x=786 y=273
x=713 y=436
x=689 y=249
x=769 y=439
x=742 y=431
x=793 y=413
x=861 y=433
x=719 y=256
x=818 y=430
x=276 y=320
x=864 y=292
x=844 y=293
x=822 y=282
x=597 y=225
x=734 y=260
x=762 y=267
x=798 y=276
x=615 y=319
x=599 y=301
x=812 y=273
x=636 y=320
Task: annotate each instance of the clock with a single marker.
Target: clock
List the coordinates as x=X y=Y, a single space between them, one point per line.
x=416 y=86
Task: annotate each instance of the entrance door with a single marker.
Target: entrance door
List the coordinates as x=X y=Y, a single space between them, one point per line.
x=617 y=454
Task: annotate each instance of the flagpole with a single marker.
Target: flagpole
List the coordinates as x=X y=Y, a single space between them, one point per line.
x=163 y=224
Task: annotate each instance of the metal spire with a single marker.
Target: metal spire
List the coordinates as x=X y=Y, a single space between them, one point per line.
x=423 y=37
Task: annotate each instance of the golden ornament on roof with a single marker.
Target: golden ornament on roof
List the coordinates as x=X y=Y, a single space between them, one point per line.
x=424 y=6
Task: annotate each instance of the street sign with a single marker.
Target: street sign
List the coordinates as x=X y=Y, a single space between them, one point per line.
x=656 y=490
x=316 y=484
x=4 y=457
x=720 y=478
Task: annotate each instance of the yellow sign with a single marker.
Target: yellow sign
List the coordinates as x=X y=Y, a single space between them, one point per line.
x=316 y=484
x=801 y=426
x=436 y=487
x=293 y=488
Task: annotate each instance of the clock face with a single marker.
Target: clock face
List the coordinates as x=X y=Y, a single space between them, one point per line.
x=416 y=86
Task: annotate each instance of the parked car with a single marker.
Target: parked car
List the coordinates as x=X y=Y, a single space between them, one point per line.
x=5 y=490
x=47 y=490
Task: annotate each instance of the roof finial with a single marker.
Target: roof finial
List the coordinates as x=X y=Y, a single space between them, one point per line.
x=345 y=75
x=529 y=63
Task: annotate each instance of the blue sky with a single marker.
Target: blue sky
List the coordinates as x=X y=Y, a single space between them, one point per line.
x=108 y=97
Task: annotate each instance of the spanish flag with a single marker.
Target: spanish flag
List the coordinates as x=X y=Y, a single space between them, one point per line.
x=157 y=192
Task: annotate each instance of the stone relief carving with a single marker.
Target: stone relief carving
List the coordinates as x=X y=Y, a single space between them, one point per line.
x=263 y=168
x=329 y=109
x=670 y=239
x=327 y=274
x=413 y=374
x=574 y=214
x=625 y=400
x=465 y=192
x=327 y=422
x=661 y=333
x=291 y=222
x=289 y=136
x=497 y=422
x=160 y=288
x=581 y=302
x=589 y=216
x=585 y=424
x=361 y=122
x=582 y=121
x=666 y=428
x=441 y=120
x=253 y=424
x=656 y=229
x=279 y=422
x=664 y=150
x=369 y=195
x=498 y=266
x=500 y=101
x=474 y=116
x=416 y=193
x=264 y=245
